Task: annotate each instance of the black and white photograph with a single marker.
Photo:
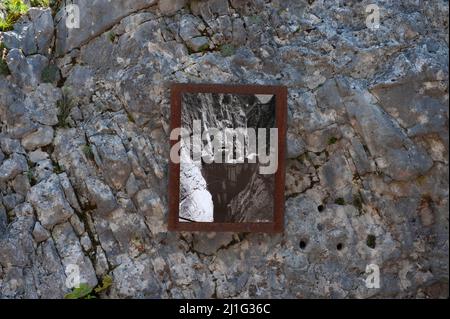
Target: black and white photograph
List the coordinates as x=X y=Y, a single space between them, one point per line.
x=223 y=182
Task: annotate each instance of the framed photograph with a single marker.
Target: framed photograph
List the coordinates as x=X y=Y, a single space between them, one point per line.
x=227 y=158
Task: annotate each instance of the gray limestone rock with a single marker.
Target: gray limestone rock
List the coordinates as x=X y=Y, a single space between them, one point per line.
x=50 y=203
x=43 y=170
x=33 y=33
x=13 y=166
x=26 y=71
x=42 y=137
x=37 y=156
x=98 y=15
x=112 y=158
x=100 y=196
x=72 y=255
x=42 y=104
x=21 y=184
x=3 y=220
x=40 y=234
x=10 y=145
x=69 y=192
x=153 y=209
x=394 y=153
x=198 y=44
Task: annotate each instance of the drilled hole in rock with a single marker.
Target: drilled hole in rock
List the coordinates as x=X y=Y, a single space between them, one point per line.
x=339 y=246
x=302 y=244
x=320 y=208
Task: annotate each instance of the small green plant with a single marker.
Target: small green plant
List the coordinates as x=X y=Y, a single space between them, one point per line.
x=332 y=140
x=5 y=25
x=357 y=202
x=339 y=201
x=30 y=177
x=14 y=10
x=40 y=3
x=50 y=74
x=57 y=169
x=86 y=292
x=421 y=180
x=87 y=150
x=54 y=5
x=107 y=281
x=111 y=36
x=130 y=118
x=65 y=105
x=227 y=50
x=81 y=292
x=371 y=241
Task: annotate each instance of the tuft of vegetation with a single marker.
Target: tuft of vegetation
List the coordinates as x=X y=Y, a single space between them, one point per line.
x=86 y=292
x=111 y=36
x=30 y=177
x=4 y=70
x=107 y=282
x=40 y=3
x=58 y=169
x=371 y=241
x=65 y=105
x=227 y=50
x=297 y=29
x=204 y=48
x=358 y=202
x=81 y=292
x=87 y=151
x=130 y=118
x=55 y=5
x=332 y=140
x=421 y=180
x=14 y=9
x=50 y=74
x=339 y=201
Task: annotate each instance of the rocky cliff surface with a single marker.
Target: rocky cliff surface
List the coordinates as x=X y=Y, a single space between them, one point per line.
x=84 y=152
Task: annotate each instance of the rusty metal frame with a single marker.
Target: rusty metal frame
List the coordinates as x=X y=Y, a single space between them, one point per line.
x=277 y=226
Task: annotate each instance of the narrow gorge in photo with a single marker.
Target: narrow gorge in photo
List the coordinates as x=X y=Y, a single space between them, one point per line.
x=225 y=192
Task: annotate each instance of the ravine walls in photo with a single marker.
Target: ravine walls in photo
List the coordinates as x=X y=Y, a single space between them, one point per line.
x=227 y=191
x=84 y=148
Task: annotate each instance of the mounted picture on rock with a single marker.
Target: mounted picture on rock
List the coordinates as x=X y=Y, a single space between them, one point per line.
x=227 y=158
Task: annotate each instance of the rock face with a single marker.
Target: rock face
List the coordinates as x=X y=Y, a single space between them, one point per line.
x=49 y=202
x=91 y=18
x=84 y=159
x=33 y=33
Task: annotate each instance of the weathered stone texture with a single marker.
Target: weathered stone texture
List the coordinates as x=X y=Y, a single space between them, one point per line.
x=84 y=156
